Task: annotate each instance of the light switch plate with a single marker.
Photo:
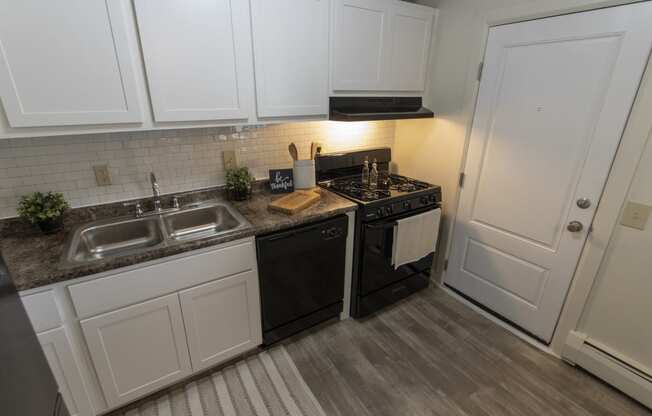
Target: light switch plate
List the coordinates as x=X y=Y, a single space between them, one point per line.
x=102 y=175
x=635 y=215
x=230 y=159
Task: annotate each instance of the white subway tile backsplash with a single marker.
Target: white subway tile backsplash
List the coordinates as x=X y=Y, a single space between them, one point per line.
x=182 y=159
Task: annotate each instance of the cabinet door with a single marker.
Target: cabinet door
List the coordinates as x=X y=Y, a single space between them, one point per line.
x=66 y=63
x=198 y=58
x=361 y=41
x=291 y=57
x=411 y=34
x=222 y=318
x=59 y=354
x=138 y=349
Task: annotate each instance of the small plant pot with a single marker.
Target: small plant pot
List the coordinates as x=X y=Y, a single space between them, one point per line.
x=51 y=226
x=239 y=194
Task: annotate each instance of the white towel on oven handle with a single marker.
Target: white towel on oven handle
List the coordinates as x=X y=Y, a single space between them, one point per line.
x=415 y=237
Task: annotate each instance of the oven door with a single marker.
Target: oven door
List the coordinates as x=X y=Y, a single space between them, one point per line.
x=377 y=271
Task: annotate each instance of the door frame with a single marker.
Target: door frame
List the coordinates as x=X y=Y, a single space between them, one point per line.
x=612 y=197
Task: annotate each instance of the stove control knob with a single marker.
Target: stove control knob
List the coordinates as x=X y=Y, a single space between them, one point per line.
x=432 y=198
x=380 y=212
x=407 y=205
x=424 y=200
x=389 y=210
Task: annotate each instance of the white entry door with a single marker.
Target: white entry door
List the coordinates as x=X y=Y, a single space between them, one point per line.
x=552 y=105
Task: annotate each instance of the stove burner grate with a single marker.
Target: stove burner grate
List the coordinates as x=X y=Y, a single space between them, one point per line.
x=387 y=183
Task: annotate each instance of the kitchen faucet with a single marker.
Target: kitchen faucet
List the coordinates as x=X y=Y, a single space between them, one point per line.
x=157 y=192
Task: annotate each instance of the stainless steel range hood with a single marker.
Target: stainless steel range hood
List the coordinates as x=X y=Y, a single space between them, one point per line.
x=377 y=108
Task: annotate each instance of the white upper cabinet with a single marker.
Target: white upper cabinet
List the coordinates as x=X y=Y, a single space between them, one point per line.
x=291 y=57
x=66 y=63
x=198 y=58
x=380 y=45
x=412 y=31
x=360 y=49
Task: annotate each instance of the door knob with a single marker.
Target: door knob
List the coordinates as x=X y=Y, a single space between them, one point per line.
x=574 y=226
x=584 y=203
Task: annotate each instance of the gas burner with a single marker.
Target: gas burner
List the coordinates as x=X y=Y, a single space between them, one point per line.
x=388 y=185
x=357 y=189
x=369 y=194
x=403 y=184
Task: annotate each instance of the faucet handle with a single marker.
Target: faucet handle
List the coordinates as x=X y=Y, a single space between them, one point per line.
x=138 y=205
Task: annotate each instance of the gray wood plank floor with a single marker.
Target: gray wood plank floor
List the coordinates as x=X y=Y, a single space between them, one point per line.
x=431 y=355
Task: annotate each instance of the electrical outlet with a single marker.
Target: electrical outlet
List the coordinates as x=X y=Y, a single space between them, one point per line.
x=230 y=159
x=635 y=215
x=102 y=175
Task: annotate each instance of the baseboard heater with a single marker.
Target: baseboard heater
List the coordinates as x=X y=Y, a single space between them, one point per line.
x=599 y=361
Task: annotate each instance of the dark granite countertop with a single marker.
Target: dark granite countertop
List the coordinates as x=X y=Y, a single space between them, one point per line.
x=35 y=260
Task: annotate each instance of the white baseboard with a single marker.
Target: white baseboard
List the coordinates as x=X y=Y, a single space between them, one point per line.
x=579 y=350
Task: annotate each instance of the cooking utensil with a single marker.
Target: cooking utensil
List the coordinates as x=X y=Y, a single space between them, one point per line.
x=293 y=151
x=313 y=150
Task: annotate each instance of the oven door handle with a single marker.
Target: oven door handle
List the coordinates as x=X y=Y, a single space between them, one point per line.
x=384 y=225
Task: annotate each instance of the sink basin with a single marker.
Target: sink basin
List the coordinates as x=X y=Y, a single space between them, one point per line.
x=123 y=236
x=114 y=238
x=202 y=222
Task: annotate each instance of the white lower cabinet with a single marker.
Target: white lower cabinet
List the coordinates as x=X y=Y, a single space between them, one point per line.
x=148 y=327
x=138 y=349
x=58 y=352
x=222 y=318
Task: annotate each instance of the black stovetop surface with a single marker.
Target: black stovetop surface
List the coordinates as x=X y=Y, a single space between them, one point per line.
x=389 y=186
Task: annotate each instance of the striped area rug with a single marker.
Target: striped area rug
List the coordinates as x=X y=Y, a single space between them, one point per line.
x=267 y=384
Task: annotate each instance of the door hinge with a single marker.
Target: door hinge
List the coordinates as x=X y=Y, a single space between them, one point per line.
x=462 y=177
x=480 y=70
x=445 y=264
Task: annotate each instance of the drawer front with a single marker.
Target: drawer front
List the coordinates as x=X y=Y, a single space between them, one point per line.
x=42 y=311
x=116 y=291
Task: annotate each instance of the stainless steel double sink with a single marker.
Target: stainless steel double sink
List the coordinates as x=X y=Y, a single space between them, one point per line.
x=131 y=235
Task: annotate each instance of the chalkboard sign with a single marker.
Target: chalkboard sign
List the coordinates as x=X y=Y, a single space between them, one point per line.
x=281 y=181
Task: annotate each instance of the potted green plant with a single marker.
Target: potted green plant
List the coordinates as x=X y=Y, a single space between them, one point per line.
x=43 y=209
x=238 y=183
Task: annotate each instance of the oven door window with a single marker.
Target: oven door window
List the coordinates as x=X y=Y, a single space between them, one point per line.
x=377 y=270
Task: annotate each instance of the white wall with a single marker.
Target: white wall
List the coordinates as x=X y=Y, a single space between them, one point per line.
x=617 y=314
x=433 y=149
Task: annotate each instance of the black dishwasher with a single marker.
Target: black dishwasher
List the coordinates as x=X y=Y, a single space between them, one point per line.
x=301 y=277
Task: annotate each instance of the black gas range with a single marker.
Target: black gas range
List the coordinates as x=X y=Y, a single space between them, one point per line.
x=394 y=194
x=376 y=282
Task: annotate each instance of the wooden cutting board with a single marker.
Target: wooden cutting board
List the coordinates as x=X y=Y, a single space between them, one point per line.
x=296 y=201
